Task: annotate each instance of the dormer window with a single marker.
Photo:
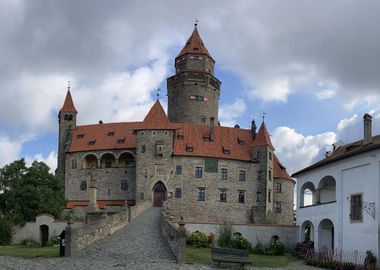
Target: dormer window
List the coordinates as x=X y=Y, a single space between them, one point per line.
x=225 y=151
x=241 y=142
x=121 y=141
x=80 y=136
x=180 y=137
x=189 y=148
x=206 y=138
x=110 y=134
x=92 y=142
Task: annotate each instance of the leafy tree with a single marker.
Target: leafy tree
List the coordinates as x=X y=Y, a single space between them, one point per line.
x=29 y=191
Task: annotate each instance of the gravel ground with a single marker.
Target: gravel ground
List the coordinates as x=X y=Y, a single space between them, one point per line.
x=136 y=247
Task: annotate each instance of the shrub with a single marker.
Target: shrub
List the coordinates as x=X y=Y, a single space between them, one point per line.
x=239 y=242
x=211 y=239
x=275 y=247
x=198 y=239
x=54 y=240
x=6 y=226
x=225 y=234
x=259 y=249
x=30 y=242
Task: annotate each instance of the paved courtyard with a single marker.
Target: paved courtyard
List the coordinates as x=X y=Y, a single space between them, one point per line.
x=138 y=246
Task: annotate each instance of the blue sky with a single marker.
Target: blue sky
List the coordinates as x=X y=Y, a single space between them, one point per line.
x=311 y=67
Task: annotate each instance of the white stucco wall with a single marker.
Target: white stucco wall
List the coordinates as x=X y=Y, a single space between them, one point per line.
x=358 y=174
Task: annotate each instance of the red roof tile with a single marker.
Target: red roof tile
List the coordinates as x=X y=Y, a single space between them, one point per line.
x=68 y=105
x=101 y=204
x=279 y=171
x=157 y=119
x=99 y=133
x=195 y=45
x=262 y=137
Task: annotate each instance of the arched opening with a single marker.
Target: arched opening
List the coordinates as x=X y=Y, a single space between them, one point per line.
x=307 y=231
x=44 y=235
x=127 y=160
x=159 y=194
x=307 y=196
x=108 y=161
x=327 y=189
x=326 y=234
x=90 y=161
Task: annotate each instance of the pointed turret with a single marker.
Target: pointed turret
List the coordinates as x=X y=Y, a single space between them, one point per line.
x=156 y=118
x=262 y=138
x=193 y=92
x=68 y=105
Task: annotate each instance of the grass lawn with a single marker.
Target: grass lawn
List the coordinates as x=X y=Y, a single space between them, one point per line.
x=28 y=252
x=203 y=256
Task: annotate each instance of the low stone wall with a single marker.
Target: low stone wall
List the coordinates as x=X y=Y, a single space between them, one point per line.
x=175 y=238
x=80 y=238
x=254 y=233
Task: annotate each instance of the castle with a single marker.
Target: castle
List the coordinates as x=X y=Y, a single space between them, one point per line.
x=185 y=161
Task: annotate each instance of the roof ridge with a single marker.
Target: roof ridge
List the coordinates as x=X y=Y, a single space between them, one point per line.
x=195 y=44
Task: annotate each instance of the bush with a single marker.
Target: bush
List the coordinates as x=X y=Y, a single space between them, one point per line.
x=275 y=247
x=225 y=234
x=239 y=242
x=53 y=241
x=6 y=226
x=30 y=242
x=258 y=249
x=211 y=239
x=198 y=239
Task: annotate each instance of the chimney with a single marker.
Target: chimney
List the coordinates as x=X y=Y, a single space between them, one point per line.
x=253 y=129
x=212 y=135
x=367 y=121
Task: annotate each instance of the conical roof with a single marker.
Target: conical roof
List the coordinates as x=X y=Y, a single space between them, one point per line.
x=262 y=137
x=195 y=45
x=68 y=105
x=157 y=118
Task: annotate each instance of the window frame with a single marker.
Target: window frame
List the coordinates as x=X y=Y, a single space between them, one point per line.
x=197 y=169
x=241 y=194
x=242 y=172
x=358 y=207
x=279 y=187
x=223 y=195
x=178 y=170
x=223 y=173
x=201 y=194
x=277 y=207
x=178 y=193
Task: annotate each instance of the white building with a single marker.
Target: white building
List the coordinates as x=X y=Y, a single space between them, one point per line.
x=345 y=189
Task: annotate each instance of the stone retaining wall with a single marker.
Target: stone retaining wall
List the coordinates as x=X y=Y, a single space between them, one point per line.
x=175 y=238
x=80 y=238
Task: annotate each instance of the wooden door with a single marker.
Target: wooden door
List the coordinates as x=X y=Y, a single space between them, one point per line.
x=159 y=198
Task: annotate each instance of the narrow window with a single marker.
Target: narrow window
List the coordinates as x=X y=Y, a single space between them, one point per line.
x=74 y=164
x=241 y=175
x=178 y=193
x=108 y=164
x=258 y=155
x=269 y=195
x=277 y=207
x=198 y=172
x=270 y=175
x=159 y=150
x=356 y=208
x=241 y=196
x=258 y=196
x=142 y=196
x=223 y=195
x=223 y=174
x=259 y=175
x=124 y=184
x=178 y=170
x=201 y=194
x=278 y=187
x=143 y=148
x=270 y=155
x=83 y=185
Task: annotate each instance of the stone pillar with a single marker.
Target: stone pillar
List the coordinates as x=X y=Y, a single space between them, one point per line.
x=69 y=240
x=93 y=205
x=181 y=242
x=317 y=196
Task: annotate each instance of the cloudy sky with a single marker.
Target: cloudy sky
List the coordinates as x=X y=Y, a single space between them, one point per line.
x=312 y=66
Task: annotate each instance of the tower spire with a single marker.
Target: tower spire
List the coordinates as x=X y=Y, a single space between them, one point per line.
x=196 y=23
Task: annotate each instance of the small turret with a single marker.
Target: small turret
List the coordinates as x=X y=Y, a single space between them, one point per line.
x=253 y=129
x=67 y=118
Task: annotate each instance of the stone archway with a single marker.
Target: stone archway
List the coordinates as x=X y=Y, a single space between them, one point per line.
x=326 y=234
x=44 y=235
x=159 y=194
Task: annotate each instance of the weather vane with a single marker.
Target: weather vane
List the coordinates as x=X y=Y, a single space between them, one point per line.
x=264 y=116
x=68 y=85
x=158 y=94
x=196 y=22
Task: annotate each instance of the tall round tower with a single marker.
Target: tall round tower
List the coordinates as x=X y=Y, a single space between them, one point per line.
x=193 y=92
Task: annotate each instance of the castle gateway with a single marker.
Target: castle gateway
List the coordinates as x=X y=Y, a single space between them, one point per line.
x=184 y=161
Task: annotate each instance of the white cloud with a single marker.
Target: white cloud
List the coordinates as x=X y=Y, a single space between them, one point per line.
x=228 y=113
x=325 y=94
x=9 y=150
x=344 y=123
x=274 y=90
x=297 y=151
x=50 y=160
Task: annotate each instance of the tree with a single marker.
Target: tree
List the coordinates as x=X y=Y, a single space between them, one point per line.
x=29 y=191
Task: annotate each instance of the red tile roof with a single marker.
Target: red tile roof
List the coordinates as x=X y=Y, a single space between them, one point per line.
x=279 y=171
x=195 y=45
x=100 y=135
x=262 y=137
x=68 y=105
x=157 y=119
x=101 y=204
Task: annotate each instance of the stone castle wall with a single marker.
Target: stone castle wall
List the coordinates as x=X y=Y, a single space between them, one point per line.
x=286 y=198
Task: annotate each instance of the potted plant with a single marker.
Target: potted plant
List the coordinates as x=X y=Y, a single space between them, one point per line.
x=370 y=260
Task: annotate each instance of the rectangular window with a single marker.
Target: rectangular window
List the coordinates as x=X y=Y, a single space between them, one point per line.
x=121 y=141
x=269 y=195
x=277 y=207
x=258 y=155
x=270 y=156
x=223 y=195
x=189 y=149
x=223 y=174
x=110 y=134
x=258 y=175
x=241 y=196
x=258 y=197
x=356 y=207
x=178 y=170
x=201 y=194
x=159 y=150
x=270 y=175
x=178 y=193
x=278 y=187
x=108 y=164
x=241 y=175
x=74 y=164
x=198 y=172
x=143 y=148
